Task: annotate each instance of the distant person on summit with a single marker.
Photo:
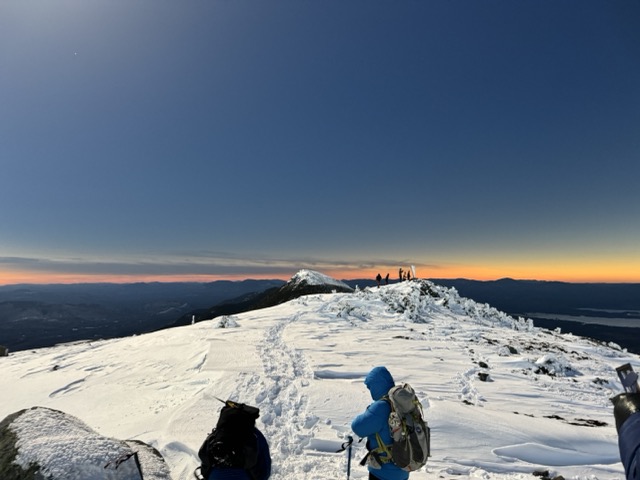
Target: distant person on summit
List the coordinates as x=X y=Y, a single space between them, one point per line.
x=374 y=420
x=378 y=279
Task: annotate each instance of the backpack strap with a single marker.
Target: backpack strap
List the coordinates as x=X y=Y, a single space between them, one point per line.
x=382 y=448
x=376 y=453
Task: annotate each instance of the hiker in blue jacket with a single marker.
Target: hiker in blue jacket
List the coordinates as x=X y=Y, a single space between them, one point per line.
x=374 y=420
x=262 y=470
x=626 y=410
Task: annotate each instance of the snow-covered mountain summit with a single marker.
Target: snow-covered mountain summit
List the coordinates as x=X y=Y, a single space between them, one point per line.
x=305 y=282
x=503 y=398
x=311 y=277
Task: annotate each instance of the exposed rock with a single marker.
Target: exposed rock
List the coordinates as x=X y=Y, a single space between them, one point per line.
x=45 y=444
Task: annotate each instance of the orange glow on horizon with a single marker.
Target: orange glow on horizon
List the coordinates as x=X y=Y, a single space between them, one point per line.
x=12 y=278
x=581 y=273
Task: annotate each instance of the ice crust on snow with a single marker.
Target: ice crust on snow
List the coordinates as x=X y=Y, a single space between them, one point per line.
x=303 y=364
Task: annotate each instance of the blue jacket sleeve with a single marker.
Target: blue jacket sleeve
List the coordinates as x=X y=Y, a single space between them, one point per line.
x=629 y=444
x=373 y=420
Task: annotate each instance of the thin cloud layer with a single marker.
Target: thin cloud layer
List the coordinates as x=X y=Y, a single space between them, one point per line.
x=195 y=265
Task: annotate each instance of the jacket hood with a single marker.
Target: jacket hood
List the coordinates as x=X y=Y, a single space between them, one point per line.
x=379 y=381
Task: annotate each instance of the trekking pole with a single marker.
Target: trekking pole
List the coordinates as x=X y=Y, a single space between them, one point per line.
x=349 y=457
x=347 y=446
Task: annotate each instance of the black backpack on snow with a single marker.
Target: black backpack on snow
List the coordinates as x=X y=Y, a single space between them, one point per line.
x=233 y=442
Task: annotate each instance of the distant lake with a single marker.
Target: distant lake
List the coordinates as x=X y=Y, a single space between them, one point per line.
x=623 y=331
x=631 y=320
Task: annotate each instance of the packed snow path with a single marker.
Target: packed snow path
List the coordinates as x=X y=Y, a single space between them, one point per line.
x=503 y=399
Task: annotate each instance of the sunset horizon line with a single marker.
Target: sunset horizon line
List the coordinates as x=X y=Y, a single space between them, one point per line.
x=70 y=279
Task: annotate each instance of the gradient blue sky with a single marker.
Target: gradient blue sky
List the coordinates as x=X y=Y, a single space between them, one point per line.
x=168 y=140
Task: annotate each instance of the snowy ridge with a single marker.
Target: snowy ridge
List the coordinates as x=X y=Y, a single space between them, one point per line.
x=504 y=399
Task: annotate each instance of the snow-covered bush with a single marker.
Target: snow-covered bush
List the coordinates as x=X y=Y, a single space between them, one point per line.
x=227 y=322
x=555 y=366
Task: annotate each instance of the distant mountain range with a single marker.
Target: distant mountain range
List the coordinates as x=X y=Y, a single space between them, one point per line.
x=522 y=296
x=33 y=316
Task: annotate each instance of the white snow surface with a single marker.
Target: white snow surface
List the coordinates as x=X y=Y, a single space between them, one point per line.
x=303 y=364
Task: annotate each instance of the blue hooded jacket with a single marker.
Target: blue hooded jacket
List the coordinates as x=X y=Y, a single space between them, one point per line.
x=629 y=444
x=375 y=420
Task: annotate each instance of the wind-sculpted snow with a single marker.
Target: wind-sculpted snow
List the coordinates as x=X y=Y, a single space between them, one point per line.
x=421 y=299
x=504 y=399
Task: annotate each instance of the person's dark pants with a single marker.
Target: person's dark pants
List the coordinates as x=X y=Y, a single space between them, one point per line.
x=372 y=476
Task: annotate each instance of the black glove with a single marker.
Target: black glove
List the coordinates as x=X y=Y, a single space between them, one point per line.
x=625 y=405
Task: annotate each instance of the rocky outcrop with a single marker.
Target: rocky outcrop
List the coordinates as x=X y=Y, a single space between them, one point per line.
x=45 y=444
